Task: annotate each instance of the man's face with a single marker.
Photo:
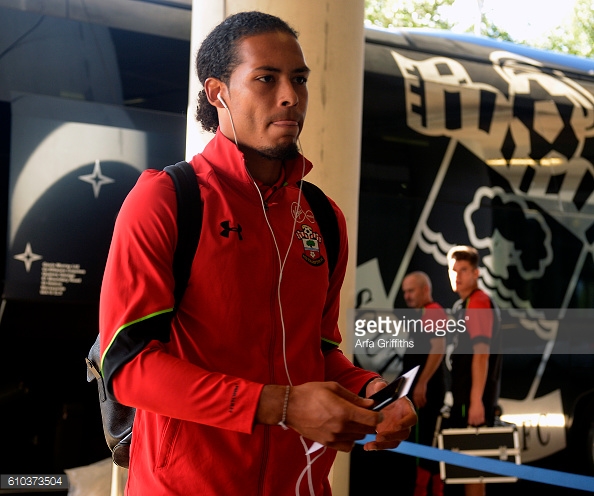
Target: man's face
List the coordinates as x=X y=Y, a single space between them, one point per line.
x=463 y=277
x=416 y=294
x=267 y=94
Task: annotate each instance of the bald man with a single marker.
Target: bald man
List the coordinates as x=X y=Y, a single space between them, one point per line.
x=428 y=390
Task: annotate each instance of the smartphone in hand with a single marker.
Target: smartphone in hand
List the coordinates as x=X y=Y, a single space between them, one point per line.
x=398 y=388
x=385 y=396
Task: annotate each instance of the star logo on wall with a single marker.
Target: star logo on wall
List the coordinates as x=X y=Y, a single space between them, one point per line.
x=96 y=178
x=28 y=257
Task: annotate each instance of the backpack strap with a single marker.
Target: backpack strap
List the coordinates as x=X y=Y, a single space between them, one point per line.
x=326 y=218
x=189 y=224
x=118 y=419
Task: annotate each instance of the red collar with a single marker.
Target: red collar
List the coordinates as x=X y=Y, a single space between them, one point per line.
x=268 y=190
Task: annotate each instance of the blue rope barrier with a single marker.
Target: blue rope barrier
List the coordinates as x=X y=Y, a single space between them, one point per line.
x=527 y=472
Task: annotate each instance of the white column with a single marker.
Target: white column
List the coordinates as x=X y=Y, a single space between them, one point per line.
x=332 y=37
x=205 y=16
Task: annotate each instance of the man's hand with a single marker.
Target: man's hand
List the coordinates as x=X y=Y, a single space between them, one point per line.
x=330 y=414
x=321 y=411
x=420 y=394
x=399 y=417
x=476 y=414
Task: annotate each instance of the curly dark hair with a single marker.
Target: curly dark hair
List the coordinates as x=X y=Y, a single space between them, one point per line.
x=218 y=54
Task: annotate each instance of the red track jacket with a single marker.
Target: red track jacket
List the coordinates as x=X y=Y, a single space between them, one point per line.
x=196 y=380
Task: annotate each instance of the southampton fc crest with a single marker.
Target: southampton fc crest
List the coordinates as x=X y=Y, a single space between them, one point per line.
x=311 y=245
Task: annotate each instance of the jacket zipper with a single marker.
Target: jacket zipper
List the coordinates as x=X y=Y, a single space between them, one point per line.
x=273 y=312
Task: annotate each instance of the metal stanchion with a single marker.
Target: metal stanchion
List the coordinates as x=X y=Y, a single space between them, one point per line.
x=119 y=477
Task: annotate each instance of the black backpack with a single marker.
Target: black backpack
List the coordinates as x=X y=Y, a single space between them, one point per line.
x=117 y=418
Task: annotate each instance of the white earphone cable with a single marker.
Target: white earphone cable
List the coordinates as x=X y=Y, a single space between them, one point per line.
x=282 y=262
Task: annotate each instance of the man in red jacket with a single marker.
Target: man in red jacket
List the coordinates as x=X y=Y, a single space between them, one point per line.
x=232 y=389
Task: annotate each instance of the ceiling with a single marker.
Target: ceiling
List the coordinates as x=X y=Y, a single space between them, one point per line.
x=169 y=18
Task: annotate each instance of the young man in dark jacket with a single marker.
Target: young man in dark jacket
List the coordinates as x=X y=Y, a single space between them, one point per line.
x=476 y=360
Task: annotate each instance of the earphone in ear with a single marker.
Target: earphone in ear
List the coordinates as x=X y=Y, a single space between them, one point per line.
x=220 y=98
x=222 y=101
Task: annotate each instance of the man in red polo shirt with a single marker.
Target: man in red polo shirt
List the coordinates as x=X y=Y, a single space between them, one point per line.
x=428 y=389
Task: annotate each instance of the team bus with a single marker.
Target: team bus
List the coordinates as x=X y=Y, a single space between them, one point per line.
x=464 y=141
x=472 y=141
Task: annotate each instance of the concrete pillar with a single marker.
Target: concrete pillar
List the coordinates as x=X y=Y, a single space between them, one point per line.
x=332 y=37
x=205 y=16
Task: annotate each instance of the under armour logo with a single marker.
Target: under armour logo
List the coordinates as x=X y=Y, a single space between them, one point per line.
x=227 y=229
